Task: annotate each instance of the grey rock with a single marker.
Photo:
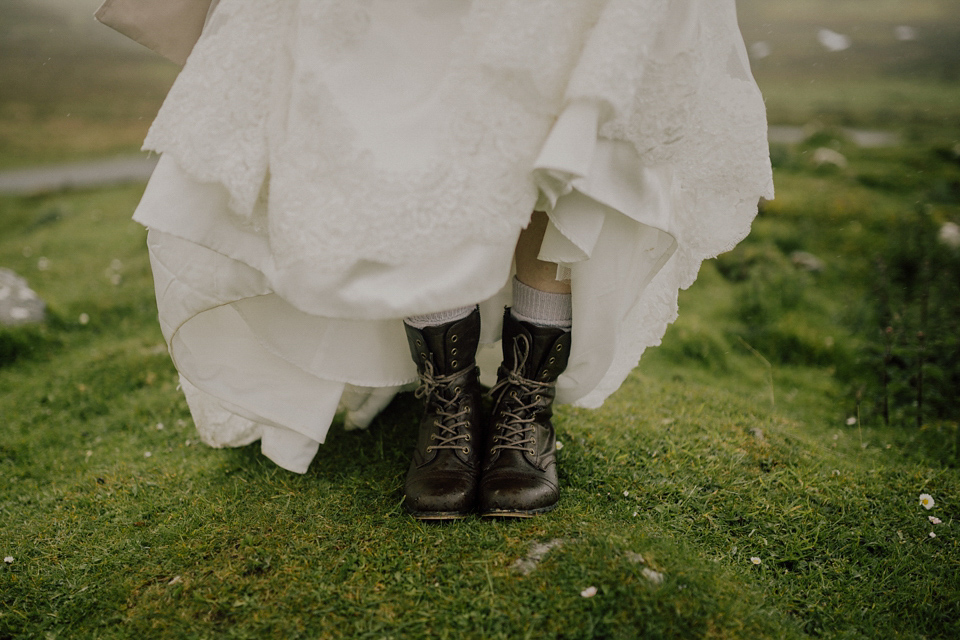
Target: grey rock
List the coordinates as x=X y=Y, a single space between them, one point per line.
x=807 y=261
x=19 y=304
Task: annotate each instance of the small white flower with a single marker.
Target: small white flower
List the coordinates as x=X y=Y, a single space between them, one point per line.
x=559 y=445
x=755 y=560
x=949 y=235
x=626 y=494
x=635 y=514
x=43 y=264
x=851 y=421
x=8 y=559
x=933 y=535
x=116 y=264
x=926 y=501
x=147 y=454
x=934 y=520
x=84 y=318
x=88 y=453
x=836 y=472
x=116 y=279
x=589 y=592
x=159 y=426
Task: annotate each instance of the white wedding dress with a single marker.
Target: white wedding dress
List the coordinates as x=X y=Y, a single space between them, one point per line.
x=331 y=166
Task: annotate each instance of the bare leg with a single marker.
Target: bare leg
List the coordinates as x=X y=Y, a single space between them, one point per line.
x=531 y=271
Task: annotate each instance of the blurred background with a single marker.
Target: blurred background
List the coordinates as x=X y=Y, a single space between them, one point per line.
x=71 y=87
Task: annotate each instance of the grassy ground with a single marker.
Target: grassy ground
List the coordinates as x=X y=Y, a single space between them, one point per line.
x=720 y=493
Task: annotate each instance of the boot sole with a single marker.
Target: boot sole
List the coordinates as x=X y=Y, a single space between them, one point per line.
x=440 y=515
x=517 y=513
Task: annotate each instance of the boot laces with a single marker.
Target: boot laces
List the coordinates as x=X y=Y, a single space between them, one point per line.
x=516 y=421
x=451 y=411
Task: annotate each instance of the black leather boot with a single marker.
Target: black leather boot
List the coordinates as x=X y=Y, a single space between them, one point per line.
x=519 y=477
x=442 y=481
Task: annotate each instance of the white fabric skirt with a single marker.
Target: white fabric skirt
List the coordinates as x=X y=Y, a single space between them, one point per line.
x=331 y=167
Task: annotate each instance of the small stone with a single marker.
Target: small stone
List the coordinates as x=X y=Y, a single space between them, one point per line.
x=760 y=50
x=905 y=33
x=653 y=576
x=635 y=557
x=827 y=156
x=833 y=41
x=8 y=559
x=807 y=261
x=19 y=304
x=589 y=592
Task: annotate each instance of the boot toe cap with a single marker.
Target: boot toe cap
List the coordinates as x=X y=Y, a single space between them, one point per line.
x=517 y=495
x=448 y=494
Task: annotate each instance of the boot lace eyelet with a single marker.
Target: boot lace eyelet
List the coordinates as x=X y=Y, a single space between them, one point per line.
x=551 y=360
x=419 y=343
x=453 y=364
x=559 y=347
x=465 y=450
x=454 y=338
x=539 y=397
x=430 y=448
x=453 y=351
x=466 y=438
x=423 y=355
x=531 y=451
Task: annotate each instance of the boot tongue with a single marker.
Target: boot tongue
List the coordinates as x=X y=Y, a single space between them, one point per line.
x=547 y=351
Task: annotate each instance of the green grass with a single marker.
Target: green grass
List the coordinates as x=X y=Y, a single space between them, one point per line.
x=193 y=541
x=730 y=442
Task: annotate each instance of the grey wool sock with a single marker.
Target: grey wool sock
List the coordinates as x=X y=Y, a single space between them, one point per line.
x=541 y=308
x=442 y=317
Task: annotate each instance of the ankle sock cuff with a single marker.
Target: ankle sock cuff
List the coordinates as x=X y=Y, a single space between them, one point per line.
x=541 y=308
x=442 y=317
